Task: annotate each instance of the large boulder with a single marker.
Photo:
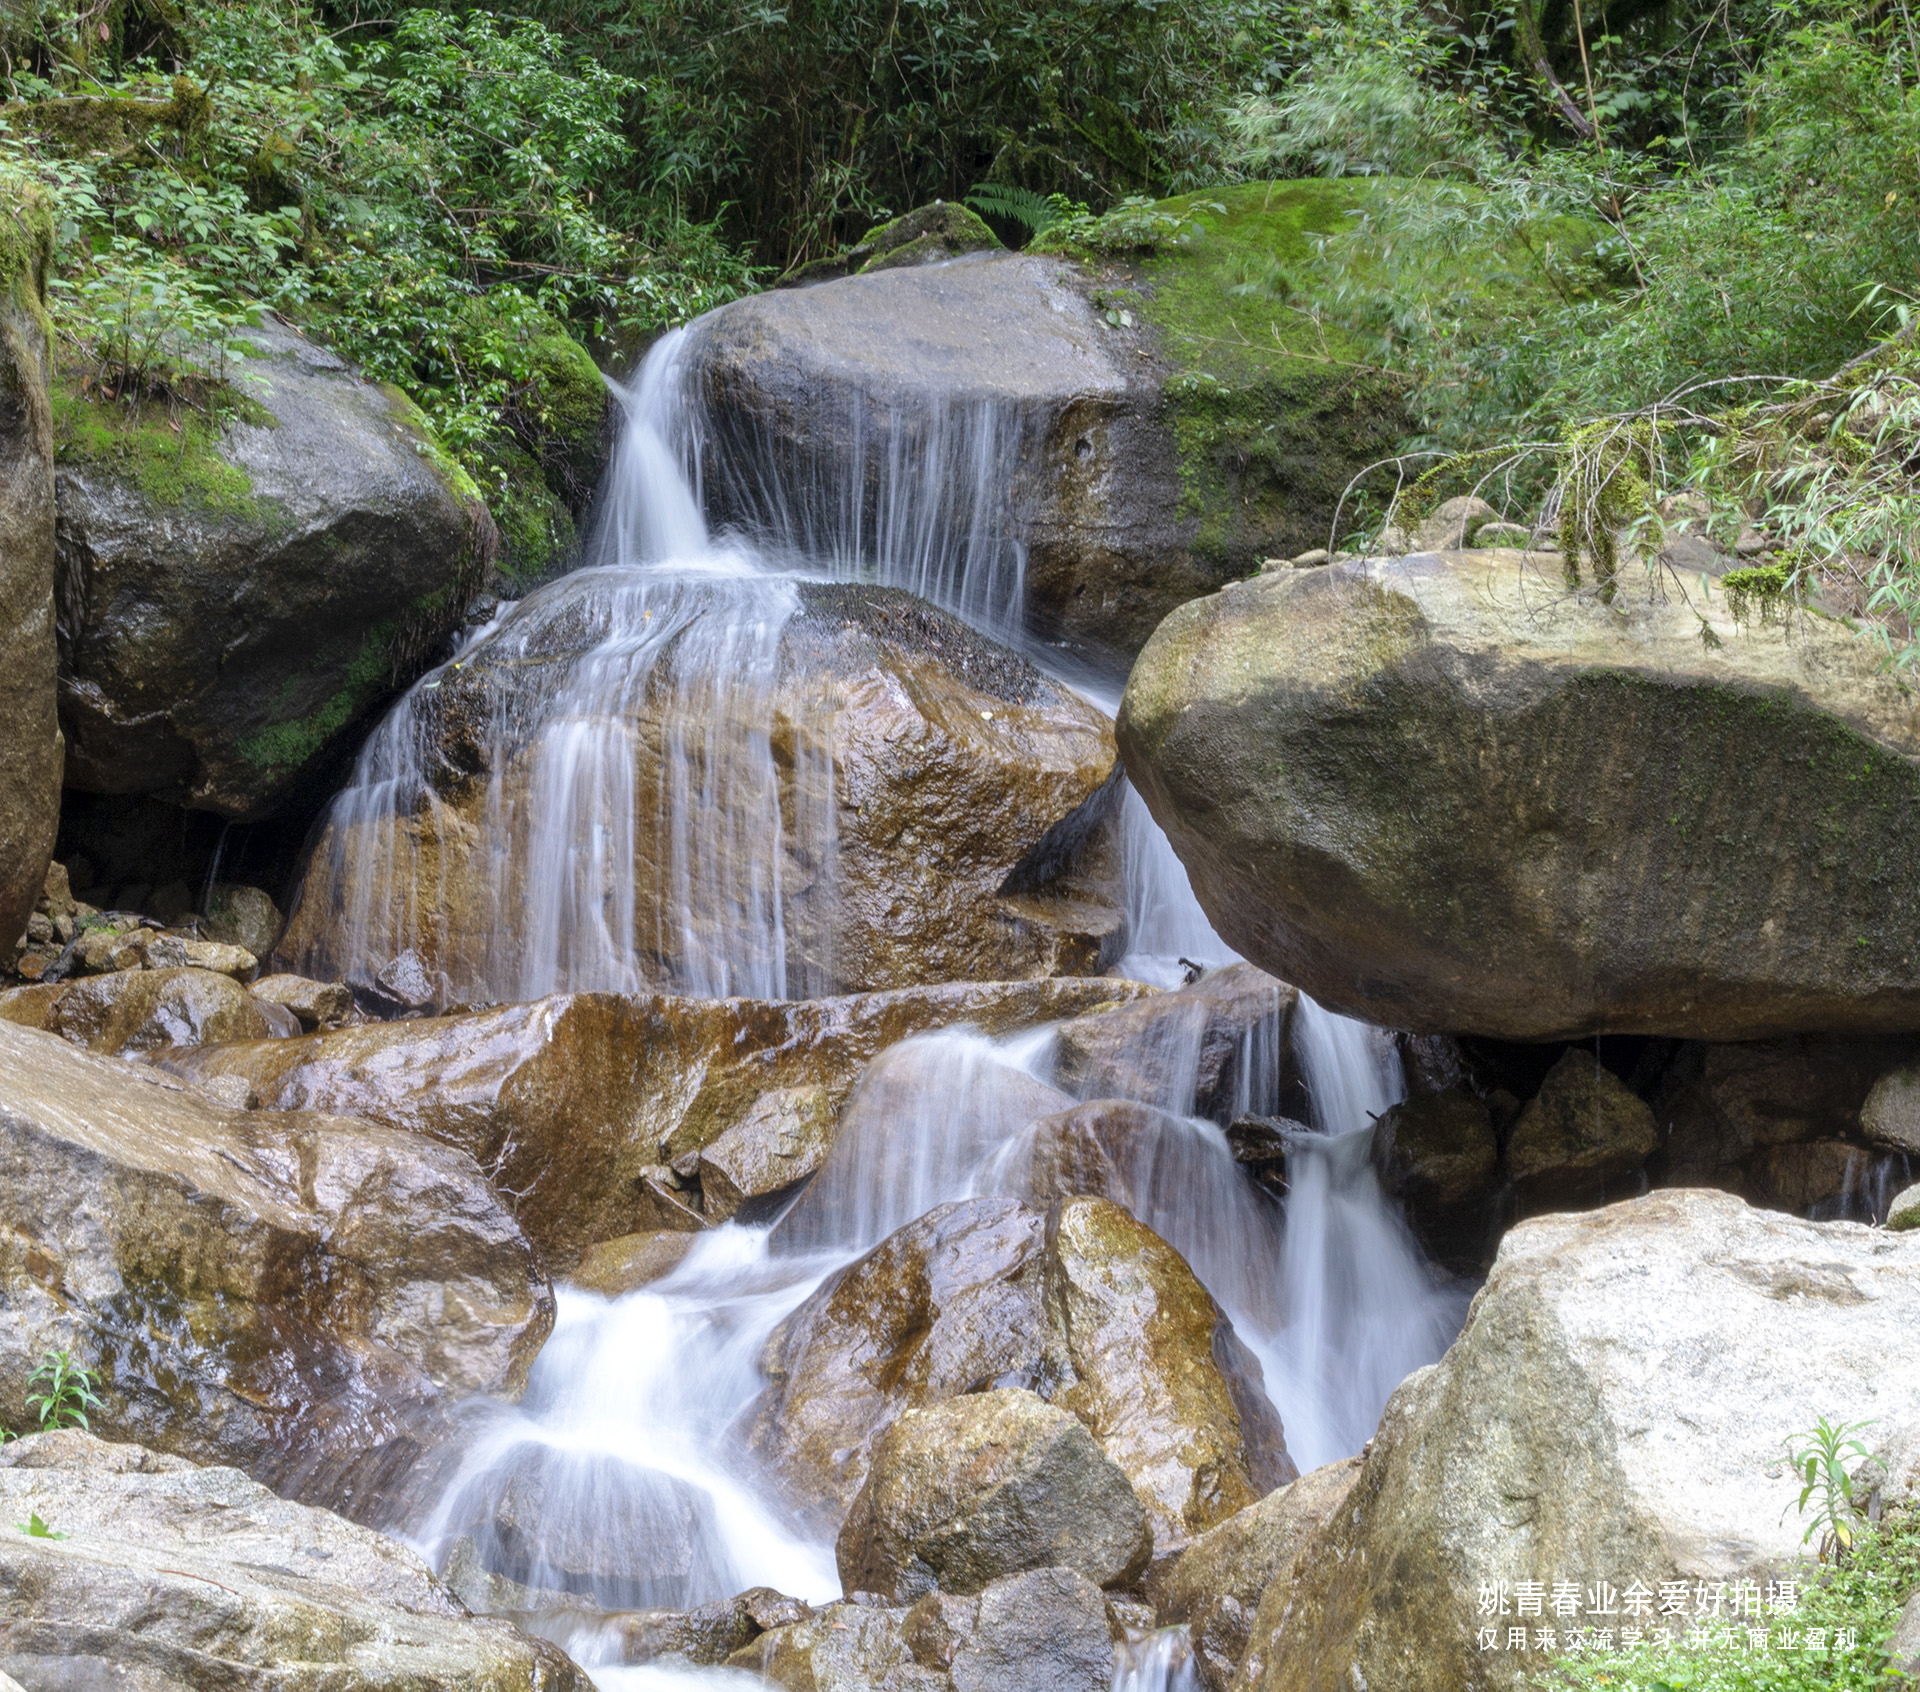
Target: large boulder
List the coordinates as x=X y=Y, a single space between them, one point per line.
x=986 y=1485
x=1616 y=1414
x=793 y=788
x=1102 y=429
x=1446 y=792
x=235 y=600
x=301 y=1296
x=164 y=1576
x=30 y=744
x=588 y=1106
x=1089 y=1308
x=132 y=1010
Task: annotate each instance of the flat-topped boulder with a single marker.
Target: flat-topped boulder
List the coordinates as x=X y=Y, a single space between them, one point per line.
x=159 y=1574
x=1445 y=792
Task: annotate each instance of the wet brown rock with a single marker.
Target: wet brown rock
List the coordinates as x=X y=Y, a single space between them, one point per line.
x=964 y=801
x=1809 y=1176
x=709 y=1633
x=1182 y=1051
x=299 y=1295
x=1042 y=1631
x=951 y=1304
x=990 y=1484
x=1157 y=1373
x=751 y=1169
x=173 y=1578
x=1232 y=1583
x=317 y=1004
x=840 y=1648
x=1719 y=1104
x=575 y=1102
x=1438 y=1157
x=1580 y=1131
x=137 y=1010
x=1090 y=1149
x=1099 y=1315
x=31 y=750
x=613 y=1267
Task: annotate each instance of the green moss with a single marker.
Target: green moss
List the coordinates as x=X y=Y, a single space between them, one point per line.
x=26 y=249
x=537 y=532
x=428 y=444
x=171 y=456
x=1275 y=401
x=290 y=744
x=943 y=228
x=571 y=392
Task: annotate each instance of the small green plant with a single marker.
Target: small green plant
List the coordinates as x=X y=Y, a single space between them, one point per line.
x=1819 y=1459
x=66 y=1393
x=35 y=1528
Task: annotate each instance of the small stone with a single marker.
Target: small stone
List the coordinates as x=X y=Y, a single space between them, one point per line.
x=238 y=915
x=1902 y=1214
x=184 y=951
x=1580 y=1131
x=1044 y=1631
x=613 y=1267
x=1501 y=534
x=234 y=1090
x=1451 y=522
x=317 y=1004
x=1312 y=560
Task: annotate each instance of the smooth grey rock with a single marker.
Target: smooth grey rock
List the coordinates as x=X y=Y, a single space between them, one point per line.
x=1618 y=1408
x=1445 y=793
x=1890 y=1118
x=172 y=1578
x=1904 y=1213
x=215 y=651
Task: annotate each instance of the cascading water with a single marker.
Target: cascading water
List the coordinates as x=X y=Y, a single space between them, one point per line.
x=623 y=856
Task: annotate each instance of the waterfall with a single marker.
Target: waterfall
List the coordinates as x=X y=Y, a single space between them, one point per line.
x=623 y=850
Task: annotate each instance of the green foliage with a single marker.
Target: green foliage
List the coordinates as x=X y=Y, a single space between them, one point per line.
x=1819 y=1459
x=34 y=1528
x=66 y=1392
x=1858 y=1600
x=1035 y=213
x=1138 y=225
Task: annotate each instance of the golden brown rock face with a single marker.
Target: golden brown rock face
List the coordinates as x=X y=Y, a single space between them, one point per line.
x=942 y=812
x=296 y=1294
x=1090 y=1308
x=582 y=1104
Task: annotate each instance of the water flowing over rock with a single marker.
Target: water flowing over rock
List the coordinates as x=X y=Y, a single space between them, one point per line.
x=571 y=1101
x=1616 y=1411
x=719 y=781
x=980 y=433
x=224 y=628
x=1447 y=793
x=172 y=1578
x=295 y=1294
x=30 y=743
x=993 y=1483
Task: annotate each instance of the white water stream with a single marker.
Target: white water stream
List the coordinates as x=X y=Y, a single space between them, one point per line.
x=626 y=1442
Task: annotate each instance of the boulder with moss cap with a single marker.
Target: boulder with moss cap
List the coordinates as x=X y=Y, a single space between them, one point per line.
x=30 y=746
x=236 y=598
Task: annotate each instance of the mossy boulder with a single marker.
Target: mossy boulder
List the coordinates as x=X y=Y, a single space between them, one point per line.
x=1145 y=420
x=1448 y=793
x=30 y=747
x=235 y=598
x=926 y=235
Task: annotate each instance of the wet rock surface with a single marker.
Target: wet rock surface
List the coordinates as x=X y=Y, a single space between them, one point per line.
x=168 y=1577
x=1630 y=1376
x=994 y=1483
x=941 y=813
x=1580 y=1131
x=218 y=643
x=576 y=1102
x=1233 y=1582
x=136 y=1010
x=1438 y=1157
x=31 y=751
x=295 y=1294
x=1441 y=792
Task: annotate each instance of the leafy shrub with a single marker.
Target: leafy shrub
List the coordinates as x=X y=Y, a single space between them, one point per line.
x=66 y=1392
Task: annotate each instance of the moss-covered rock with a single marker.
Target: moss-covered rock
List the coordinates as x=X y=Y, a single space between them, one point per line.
x=237 y=595
x=30 y=747
x=1157 y=408
x=1445 y=793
